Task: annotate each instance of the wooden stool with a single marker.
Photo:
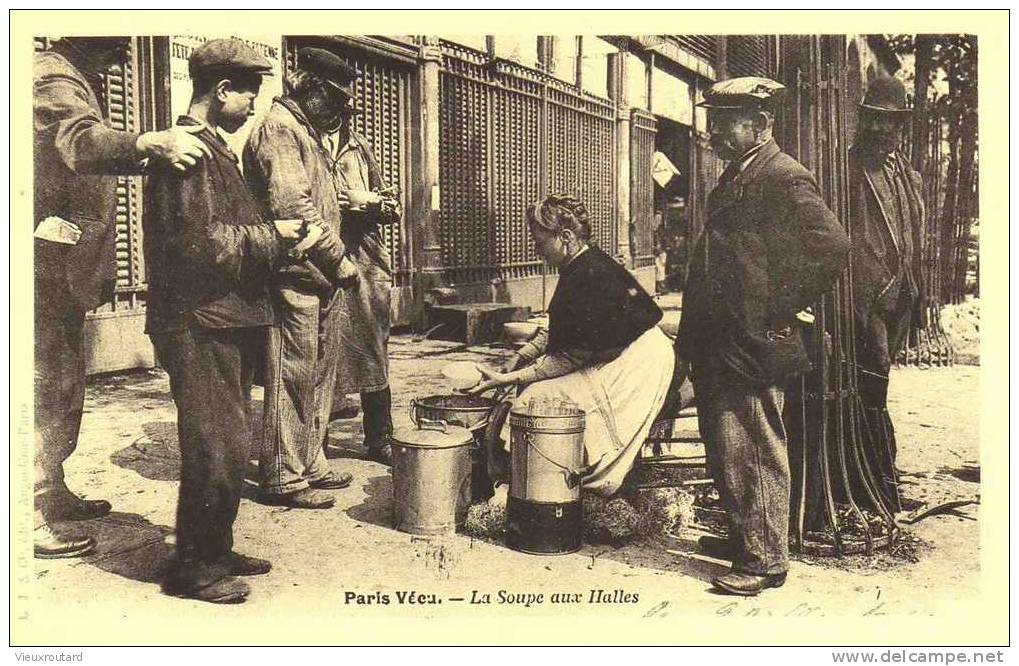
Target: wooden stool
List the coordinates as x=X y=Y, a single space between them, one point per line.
x=659 y=464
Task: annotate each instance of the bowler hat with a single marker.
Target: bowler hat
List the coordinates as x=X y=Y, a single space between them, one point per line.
x=886 y=94
x=227 y=55
x=328 y=66
x=744 y=92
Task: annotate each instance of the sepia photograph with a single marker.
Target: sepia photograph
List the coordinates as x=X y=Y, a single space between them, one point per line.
x=337 y=334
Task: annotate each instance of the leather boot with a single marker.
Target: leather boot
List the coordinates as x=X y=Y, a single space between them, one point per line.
x=62 y=504
x=378 y=425
x=49 y=545
x=192 y=578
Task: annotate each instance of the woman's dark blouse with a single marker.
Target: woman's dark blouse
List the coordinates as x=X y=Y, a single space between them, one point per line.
x=598 y=306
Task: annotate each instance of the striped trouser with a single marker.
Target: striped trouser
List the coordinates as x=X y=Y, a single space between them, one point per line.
x=745 y=442
x=300 y=374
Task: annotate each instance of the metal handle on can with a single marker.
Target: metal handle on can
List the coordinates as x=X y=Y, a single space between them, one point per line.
x=429 y=424
x=568 y=472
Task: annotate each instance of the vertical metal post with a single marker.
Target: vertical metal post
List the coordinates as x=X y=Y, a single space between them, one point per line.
x=425 y=214
x=618 y=92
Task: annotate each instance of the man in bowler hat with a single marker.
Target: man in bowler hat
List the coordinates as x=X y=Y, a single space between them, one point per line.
x=886 y=219
x=769 y=248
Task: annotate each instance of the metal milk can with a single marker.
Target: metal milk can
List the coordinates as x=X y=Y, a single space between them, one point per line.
x=544 y=514
x=431 y=477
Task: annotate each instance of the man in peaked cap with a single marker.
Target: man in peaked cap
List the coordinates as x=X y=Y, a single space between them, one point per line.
x=770 y=247
x=364 y=320
x=290 y=171
x=210 y=256
x=886 y=220
x=75 y=155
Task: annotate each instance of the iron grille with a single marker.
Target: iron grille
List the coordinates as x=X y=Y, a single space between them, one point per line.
x=463 y=173
x=750 y=55
x=580 y=134
x=509 y=135
x=516 y=168
x=642 y=149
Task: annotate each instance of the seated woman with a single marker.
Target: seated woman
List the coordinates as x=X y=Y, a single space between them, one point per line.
x=603 y=349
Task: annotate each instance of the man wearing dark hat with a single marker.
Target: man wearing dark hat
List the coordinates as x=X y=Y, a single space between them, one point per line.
x=210 y=257
x=76 y=153
x=290 y=171
x=770 y=247
x=363 y=364
x=887 y=214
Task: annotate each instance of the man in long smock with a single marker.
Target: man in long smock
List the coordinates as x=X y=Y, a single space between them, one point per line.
x=364 y=309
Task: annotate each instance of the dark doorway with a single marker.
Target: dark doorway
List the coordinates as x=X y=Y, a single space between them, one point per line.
x=671 y=205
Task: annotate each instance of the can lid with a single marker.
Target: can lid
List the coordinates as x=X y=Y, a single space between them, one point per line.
x=430 y=434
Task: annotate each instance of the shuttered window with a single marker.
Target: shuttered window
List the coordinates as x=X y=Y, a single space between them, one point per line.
x=702 y=46
x=120 y=99
x=642 y=149
x=750 y=55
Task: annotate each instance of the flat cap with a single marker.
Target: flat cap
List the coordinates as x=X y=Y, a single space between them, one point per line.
x=328 y=66
x=745 y=92
x=227 y=55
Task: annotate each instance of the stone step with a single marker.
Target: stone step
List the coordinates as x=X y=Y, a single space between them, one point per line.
x=473 y=323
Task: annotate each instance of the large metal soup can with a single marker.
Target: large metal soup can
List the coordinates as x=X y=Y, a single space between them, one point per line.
x=431 y=477
x=472 y=412
x=544 y=514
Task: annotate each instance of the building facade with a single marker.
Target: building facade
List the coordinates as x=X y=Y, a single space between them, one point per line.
x=472 y=129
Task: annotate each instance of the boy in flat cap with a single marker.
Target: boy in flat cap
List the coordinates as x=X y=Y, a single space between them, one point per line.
x=76 y=154
x=887 y=215
x=770 y=247
x=290 y=171
x=209 y=256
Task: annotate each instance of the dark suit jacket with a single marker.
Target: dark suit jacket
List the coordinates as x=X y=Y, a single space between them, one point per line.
x=769 y=248
x=74 y=150
x=876 y=252
x=209 y=253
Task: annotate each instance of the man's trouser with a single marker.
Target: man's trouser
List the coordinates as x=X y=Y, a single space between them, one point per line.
x=300 y=376
x=883 y=336
x=59 y=387
x=378 y=420
x=211 y=371
x=364 y=364
x=745 y=444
